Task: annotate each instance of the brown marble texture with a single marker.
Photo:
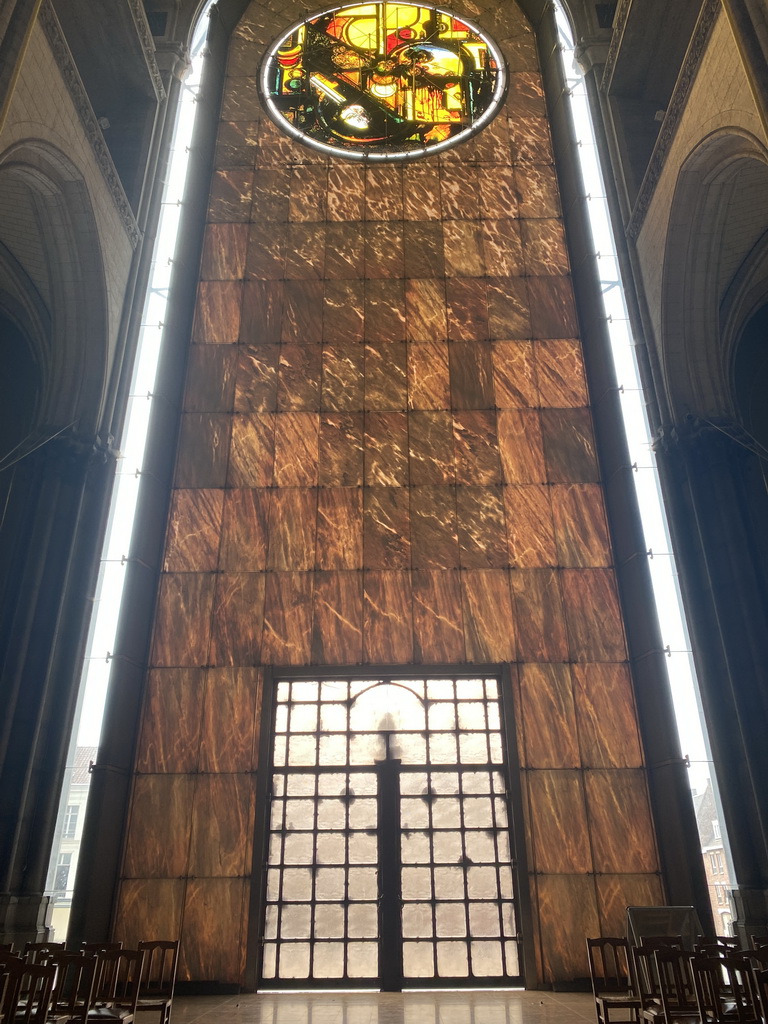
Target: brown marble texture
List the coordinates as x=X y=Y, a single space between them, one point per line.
x=217 y=316
x=224 y=251
x=296 y=449
x=438 y=634
x=251 y=459
x=560 y=373
x=428 y=375
x=237 y=610
x=271 y=191
x=529 y=138
x=471 y=375
x=459 y=192
x=339 y=528
x=231 y=713
x=384 y=255
x=581 y=529
x=287 y=619
x=509 y=315
x=606 y=714
x=236 y=144
x=384 y=192
x=526 y=93
x=342 y=378
x=340 y=450
x=421 y=188
x=302 y=319
x=170 y=721
x=245 y=529
x=541 y=633
x=262 y=312
x=467 y=309
x=387 y=617
x=384 y=310
x=561 y=839
x=514 y=375
x=148 y=906
x=504 y=252
x=617 y=892
x=292 y=528
x=544 y=246
x=425 y=309
x=194 y=525
x=211 y=945
x=489 y=627
x=497 y=191
x=536 y=189
x=182 y=619
x=482 y=533
x=386 y=449
x=308 y=189
x=492 y=144
x=241 y=94
x=386 y=528
x=344 y=251
x=222 y=824
x=158 y=833
x=430 y=437
x=567 y=909
x=230 y=199
x=256 y=384
x=463 y=246
x=386 y=375
x=343 y=320
x=592 y=613
x=620 y=821
x=552 y=312
x=423 y=248
x=530 y=531
x=211 y=372
x=346 y=191
x=337 y=619
x=569 y=446
x=434 y=532
x=299 y=378
x=548 y=716
x=476 y=447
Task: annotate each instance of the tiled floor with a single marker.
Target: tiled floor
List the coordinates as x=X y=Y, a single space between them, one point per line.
x=491 y=1007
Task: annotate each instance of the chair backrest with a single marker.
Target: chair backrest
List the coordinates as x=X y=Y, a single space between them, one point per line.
x=99 y=947
x=758 y=957
x=761 y=991
x=35 y=952
x=73 y=989
x=759 y=941
x=725 y=991
x=28 y=993
x=7 y=947
x=160 y=963
x=645 y=979
x=609 y=965
x=118 y=977
x=676 y=989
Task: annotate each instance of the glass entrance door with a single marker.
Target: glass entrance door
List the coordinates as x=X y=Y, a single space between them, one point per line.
x=389 y=860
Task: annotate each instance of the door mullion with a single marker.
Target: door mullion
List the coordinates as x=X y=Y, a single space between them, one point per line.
x=390 y=929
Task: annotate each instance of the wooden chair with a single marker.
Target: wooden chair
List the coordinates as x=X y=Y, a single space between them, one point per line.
x=99 y=947
x=116 y=992
x=159 y=977
x=72 y=997
x=7 y=947
x=609 y=970
x=760 y=978
x=725 y=991
x=676 y=989
x=759 y=941
x=713 y=945
x=28 y=993
x=35 y=952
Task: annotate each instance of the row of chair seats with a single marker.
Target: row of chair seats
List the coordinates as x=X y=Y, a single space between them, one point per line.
x=98 y=984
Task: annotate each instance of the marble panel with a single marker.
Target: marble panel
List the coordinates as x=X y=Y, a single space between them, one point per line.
x=241 y=94
x=287 y=619
x=384 y=310
x=544 y=246
x=230 y=199
x=504 y=253
x=346 y=191
x=386 y=376
x=222 y=823
x=497 y=191
x=581 y=529
x=428 y=375
x=559 y=821
x=386 y=449
x=492 y=144
x=541 y=633
x=425 y=309
x=549 y=717
x=526 y=93
x=569 y=446
x=537 y=192
x=276 y=149
x=471 y=375
x=530 y=529
x=217 y=316
x=194 y=524
x=256 y=385
x=344 y=251
x=384 y=249
x=489 y=628
x=423 y=245
x=148 y=906
x=183 y=619
x=467 y=309
x=620 y=821
x=251 y=459
x=476 y=447
x=434 y=532
x=463 y=246
x=302 y=312
x=384 y=192
x=271 y=191
x=305 y=251
x=267 y=243
x=606 y=714
x=386 y=528
x=509 y=316
x=214 y=911
x=343 y=307
x=514 y=375
x=309 y=187
x=224 y=250
x=339 y=528
x=430 y=440
x=560 y=372
x=342 y=378
x=521 y=447
x=459 y=192
x=337 y=621
x=340 y=450
x=292 y=528
x=231 y=715
x=210 y=383
x=553 y=314
x=299 y=378
x=567 y=908
x=296 y=449
x=262 y=312
x=592 y=612
x=237 y=611
x=529 y=139
x=617 y=892
x=158 y=833
x=482 y=535
x=236 y=144
x=170 y=721
x=387 y=617
x=421 y=187
x=438 y=631
x=245 y=529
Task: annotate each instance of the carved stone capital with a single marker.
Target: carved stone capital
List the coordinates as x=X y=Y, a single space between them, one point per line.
x=694 y=433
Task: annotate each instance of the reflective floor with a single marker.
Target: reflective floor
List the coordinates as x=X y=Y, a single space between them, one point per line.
x=492 y=1007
